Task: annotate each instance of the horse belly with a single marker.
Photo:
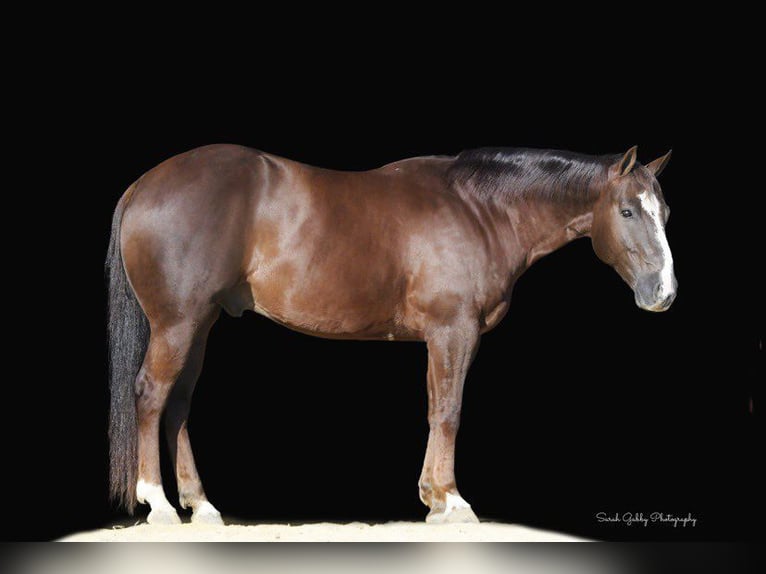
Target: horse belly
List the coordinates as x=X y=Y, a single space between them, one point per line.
x=336 y=301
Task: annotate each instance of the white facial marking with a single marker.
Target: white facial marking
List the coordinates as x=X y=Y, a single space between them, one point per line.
x=455 y=501
x=651 y=206
x=152 y=494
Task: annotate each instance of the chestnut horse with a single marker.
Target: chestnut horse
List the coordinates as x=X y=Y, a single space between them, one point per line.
x=423 y=249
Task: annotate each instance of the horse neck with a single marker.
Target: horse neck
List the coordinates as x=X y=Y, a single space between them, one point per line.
x=543 y=226
x=531 y=216
x=531 y=227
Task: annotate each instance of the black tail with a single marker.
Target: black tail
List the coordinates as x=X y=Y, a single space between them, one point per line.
x=128 y=339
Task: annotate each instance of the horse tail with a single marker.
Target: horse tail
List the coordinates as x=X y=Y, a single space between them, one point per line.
x=128 y=339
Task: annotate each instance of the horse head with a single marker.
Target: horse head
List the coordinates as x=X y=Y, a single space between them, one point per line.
x=628 y=230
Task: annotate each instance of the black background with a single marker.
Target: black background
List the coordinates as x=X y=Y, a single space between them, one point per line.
x=577 y=403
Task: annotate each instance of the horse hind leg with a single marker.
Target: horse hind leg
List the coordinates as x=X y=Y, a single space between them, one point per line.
x=190 y=491
x=165 y=359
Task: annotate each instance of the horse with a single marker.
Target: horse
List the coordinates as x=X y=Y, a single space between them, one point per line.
x=423 y=249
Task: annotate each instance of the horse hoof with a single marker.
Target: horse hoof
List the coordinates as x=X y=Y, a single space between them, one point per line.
x=206 y=513
x=454 y=516
x=163 y=516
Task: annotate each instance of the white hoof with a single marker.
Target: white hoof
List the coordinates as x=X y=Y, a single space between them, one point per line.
x=457 y=516
x=163 y=516
x=206 y=513
x=455 y=510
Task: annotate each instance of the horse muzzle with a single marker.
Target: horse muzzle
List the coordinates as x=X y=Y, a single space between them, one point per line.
x=656 y=293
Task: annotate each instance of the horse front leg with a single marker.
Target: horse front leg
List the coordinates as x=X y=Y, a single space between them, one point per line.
x=451 y=350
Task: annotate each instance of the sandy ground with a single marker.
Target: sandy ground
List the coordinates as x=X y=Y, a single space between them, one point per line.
x=324 y=532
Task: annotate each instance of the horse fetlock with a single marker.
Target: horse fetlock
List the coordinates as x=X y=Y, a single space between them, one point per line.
x=425 y=492
x=149 y=493
x=190 y=499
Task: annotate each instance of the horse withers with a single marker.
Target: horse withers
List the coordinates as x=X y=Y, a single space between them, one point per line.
x=423 y=249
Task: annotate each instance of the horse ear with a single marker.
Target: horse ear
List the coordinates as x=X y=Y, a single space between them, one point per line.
x=659 y=164
x=627 y=162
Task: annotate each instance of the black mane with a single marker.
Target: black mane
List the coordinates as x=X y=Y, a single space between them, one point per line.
x=524 y=172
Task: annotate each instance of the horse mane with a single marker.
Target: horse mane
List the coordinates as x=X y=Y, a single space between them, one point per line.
x=520 y=173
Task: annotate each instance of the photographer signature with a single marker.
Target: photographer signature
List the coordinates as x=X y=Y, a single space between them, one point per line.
x=641 y=519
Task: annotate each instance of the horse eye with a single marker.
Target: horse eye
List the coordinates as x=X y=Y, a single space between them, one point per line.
x=626 y=213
